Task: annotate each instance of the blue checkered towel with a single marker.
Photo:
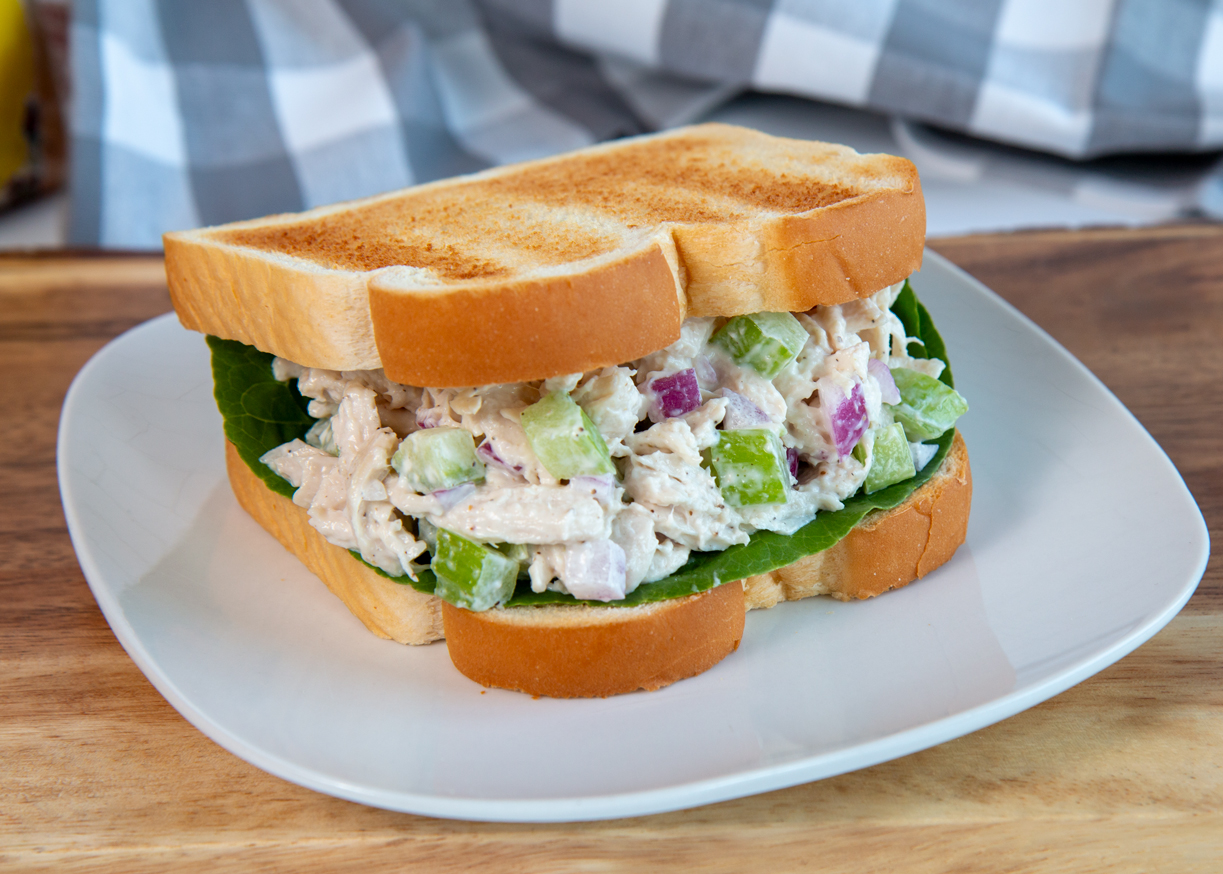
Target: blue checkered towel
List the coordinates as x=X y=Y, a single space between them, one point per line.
x=191 y=112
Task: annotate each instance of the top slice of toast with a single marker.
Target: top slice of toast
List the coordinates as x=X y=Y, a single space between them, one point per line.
x=560 y=265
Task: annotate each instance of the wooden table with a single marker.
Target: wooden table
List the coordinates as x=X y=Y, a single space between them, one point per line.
x=1122 y=773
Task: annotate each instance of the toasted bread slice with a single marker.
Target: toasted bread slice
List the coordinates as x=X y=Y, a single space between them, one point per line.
x=609 y=650
x=595 y=652
x=556 y=266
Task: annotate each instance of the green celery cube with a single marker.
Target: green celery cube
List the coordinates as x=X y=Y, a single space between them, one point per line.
x=470 y=574
x=891 y=459
x=751 y=467
x=927 y=407
x=859 y=452
x=438 y=458
x=766 y=342
x=564 y=439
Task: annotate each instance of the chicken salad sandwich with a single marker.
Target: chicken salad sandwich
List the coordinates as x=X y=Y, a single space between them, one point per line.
x=578 y=415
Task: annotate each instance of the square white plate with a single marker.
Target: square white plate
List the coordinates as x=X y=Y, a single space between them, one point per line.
x=1083 y=543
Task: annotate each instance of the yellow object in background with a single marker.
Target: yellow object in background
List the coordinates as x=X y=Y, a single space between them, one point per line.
x=16 y=83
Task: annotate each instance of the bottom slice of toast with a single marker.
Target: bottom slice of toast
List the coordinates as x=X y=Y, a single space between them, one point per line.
x=886 y=550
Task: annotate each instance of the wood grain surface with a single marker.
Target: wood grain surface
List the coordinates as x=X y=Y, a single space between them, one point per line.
x=1121 y=773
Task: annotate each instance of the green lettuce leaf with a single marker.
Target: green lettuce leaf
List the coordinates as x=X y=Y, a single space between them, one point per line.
x=261 y=413
x=916 y=319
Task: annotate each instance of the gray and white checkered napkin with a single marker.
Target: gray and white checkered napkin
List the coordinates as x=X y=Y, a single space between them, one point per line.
x=188 y=113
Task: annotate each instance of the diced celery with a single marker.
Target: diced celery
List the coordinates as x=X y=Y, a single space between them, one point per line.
x=927 y=407
x=519 y=552
x=751 y=467
x=891 y=459
x=438 y=458
x=766 y=342
x=564 y=439
x=860 y=450
x=470 y=574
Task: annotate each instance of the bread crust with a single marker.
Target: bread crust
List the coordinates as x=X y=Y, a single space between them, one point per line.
x=594 y=652
x=567 y=251
x=315 y=317
x=826 y=259
x=618 y=311
x=822 y=257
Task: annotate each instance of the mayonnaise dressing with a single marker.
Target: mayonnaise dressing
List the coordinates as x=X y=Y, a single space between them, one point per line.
x=664 y=502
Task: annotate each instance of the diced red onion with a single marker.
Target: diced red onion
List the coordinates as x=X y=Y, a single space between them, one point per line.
x=741 y=413
x=428 y=417
x=792 y=459
x=595 y=570
x=844 y=417
x=601 y=486
x=706 y=373
x=888 y=391
x=488 y=454
x=674 y=395
x=450 y=497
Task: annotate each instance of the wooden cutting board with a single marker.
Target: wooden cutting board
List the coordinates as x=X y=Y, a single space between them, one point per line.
x=1121 y=773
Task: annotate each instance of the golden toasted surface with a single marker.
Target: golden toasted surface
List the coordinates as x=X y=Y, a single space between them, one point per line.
x=433 y=232
x=569 y=208
x=565 y=264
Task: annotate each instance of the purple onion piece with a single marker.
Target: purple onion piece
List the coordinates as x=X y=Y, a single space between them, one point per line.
x=488 y=454
x=602 y=486
x=792 y=458
x=741 y=413
x=888 y=391
x=596 y=570
x=450 y=497
x=674 y=395
x=706 y=373
x=428 y=417
x=845 y=417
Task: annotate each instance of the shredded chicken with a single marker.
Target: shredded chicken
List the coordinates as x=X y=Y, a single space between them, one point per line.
x=346 y=495
x=639 y=526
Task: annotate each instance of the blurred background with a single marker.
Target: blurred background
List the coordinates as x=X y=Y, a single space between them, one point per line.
x=123 y=119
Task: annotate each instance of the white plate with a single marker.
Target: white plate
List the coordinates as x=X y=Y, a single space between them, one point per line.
x=1083 y=543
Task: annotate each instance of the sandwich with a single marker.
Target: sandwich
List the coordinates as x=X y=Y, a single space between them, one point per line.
x=578 y=415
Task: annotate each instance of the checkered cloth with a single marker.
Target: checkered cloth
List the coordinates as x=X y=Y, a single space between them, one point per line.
x=192 y=112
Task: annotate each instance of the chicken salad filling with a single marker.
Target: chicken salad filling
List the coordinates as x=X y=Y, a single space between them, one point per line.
x=593 y=484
